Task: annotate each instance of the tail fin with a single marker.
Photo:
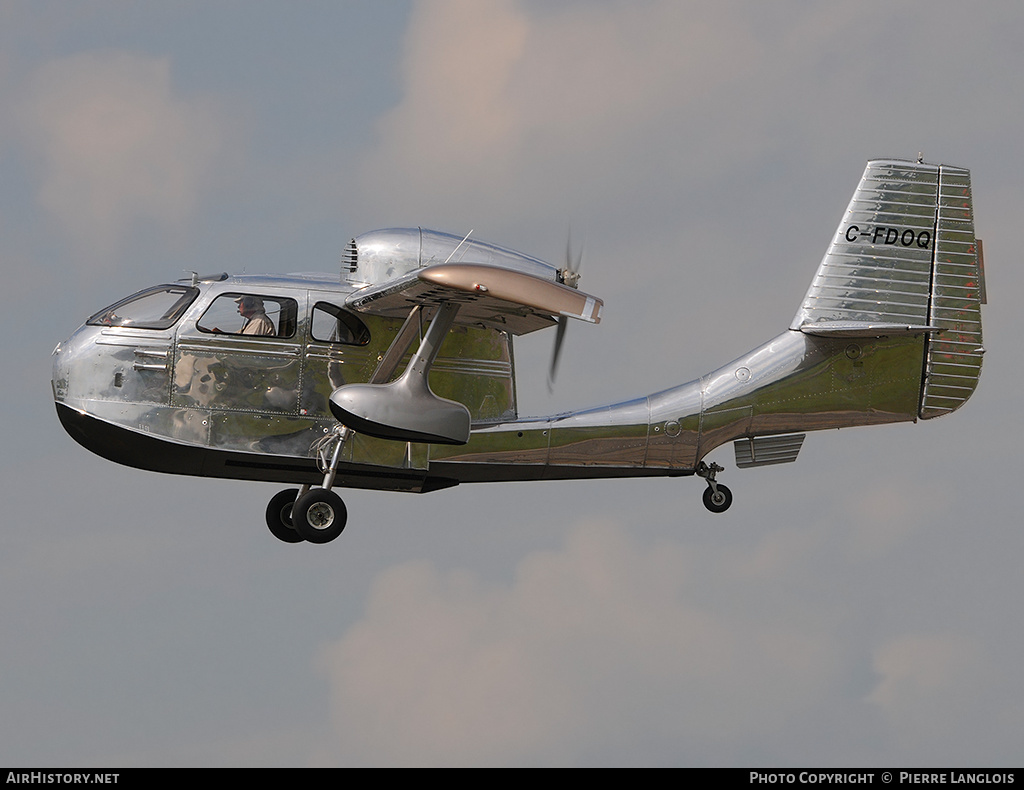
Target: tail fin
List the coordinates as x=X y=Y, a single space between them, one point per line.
x=905 y=261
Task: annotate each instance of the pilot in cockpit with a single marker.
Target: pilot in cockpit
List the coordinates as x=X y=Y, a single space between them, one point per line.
x=256 y=320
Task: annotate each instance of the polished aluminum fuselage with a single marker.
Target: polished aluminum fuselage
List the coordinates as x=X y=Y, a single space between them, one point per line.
x=181 y=400
x=792 y=383
x=889 y=331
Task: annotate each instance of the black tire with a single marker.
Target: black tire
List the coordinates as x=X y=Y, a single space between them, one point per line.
x=717 y=502
x=279 y=516
x=319 y=516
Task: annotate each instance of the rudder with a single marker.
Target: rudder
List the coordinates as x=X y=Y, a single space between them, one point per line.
x=954 y=354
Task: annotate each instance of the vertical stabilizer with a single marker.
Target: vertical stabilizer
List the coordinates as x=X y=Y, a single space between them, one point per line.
x=904 y=261
x=878 y=269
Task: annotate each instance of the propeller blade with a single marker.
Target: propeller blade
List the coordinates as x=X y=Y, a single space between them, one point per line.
x=571 y=271
x=559 y=337
x=575 y=266
x=570 y=276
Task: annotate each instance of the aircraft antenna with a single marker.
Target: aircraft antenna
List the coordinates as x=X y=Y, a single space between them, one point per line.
x=459 y=245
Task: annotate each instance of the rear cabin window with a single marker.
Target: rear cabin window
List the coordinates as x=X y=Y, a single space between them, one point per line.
x=332 y=324
x=154 y=308
x=250 y=314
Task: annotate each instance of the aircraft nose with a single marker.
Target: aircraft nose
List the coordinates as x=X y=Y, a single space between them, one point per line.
x=59 y=378
x=69 y=365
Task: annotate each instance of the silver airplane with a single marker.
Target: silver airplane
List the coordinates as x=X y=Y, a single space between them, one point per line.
x=399 y=374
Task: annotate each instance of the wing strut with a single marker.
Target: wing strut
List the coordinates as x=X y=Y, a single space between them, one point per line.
x=389 y=362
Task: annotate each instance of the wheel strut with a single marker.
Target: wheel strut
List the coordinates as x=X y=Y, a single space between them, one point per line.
x=717 y=497
x=328 y=450
x=317 y=515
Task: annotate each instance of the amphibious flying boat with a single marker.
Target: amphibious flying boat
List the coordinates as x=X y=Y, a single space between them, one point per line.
x=398 y=374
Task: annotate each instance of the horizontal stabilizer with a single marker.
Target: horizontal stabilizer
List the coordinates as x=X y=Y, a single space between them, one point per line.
x=767 y=450
x=864 y=329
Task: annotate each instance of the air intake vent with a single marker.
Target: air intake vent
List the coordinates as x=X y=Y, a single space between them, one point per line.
x=349 y=258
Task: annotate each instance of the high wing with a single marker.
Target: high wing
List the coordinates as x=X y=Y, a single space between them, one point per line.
x=493 y=286
x=491 y=296
x=410 y=273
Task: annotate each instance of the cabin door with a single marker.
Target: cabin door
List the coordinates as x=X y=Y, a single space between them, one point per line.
x=238 y=372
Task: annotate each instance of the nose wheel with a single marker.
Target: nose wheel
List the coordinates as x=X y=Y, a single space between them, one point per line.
x=717 y=497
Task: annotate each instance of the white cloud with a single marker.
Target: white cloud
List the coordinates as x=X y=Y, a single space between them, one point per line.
x=613 y=651
x=504 y=100
x=117 y=144
x=599 y=651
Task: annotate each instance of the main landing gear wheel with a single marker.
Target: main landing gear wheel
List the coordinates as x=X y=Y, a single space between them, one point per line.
x=279 y=516
x=319 y=515
x=717 y=501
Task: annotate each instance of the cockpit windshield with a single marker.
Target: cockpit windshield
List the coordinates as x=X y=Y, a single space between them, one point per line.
x=154 y=308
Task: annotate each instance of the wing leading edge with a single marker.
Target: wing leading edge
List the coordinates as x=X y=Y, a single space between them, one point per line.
x=492 y=296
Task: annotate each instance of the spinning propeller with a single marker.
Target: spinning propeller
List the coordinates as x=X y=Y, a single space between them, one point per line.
x=570 y=275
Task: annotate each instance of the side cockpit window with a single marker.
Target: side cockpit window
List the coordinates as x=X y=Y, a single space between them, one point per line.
x=154 y=308
x=250 y=314
x=331 y=324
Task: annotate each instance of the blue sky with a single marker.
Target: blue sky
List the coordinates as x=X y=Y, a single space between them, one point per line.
x=858 y=607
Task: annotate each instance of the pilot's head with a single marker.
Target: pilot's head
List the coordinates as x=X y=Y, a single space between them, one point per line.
x=247 y=305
